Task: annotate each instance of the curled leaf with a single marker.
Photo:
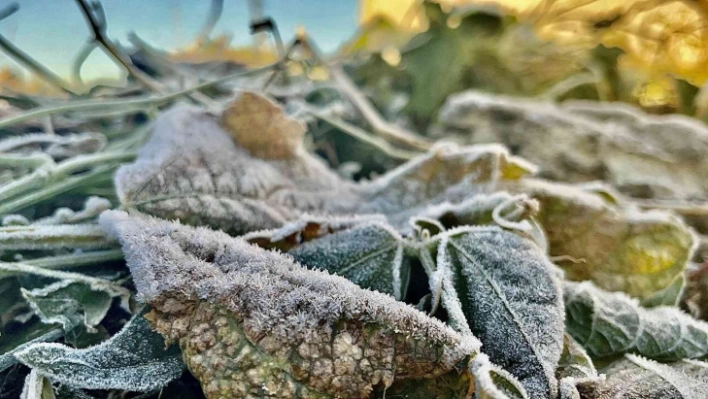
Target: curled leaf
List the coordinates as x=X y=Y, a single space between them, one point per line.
x=512 y=301
x=192 y=170
x=611 y=323
x=634 y=377
x=69 y=303
x=493 y=382
x=587 y=141
x=252 y=322
x=135 y=359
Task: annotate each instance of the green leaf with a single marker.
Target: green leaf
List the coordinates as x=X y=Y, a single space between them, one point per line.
x=135 y=359
x=493 y=382
x=634 y=377
x=70 y=304
x=368 y=253
x=618 y=248
x=511 y=299
x=30 y=334
x=574 y=361
x=37 y=387
x=291 y=329
x=607 y=324
x=669 y=296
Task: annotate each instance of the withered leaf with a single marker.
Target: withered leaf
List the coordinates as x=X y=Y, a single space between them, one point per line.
x=634 y=377
x=251 y=321
x=611 y=323
x=619 y=248
x=584 y=141
x=194 y=171
x=261 y=126
x=511 y=299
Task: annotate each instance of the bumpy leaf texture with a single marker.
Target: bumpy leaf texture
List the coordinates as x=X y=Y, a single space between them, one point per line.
x=193 y=170
x=607 y=323
x=135 y=359
x=635 y=377
x=583 y=141
x=250 y=321
x=511 y=299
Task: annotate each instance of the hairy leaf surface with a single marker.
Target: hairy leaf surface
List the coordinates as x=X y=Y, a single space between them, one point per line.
x=635 y=377
x=607 y=323
x=250 y=321
x=135 y=359
x=194 y=170
x=368 y=253
x=511 y=300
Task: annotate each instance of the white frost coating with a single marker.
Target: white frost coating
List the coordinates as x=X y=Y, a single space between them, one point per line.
x=79 y=236
x=486 y=387
x=92 y=208
x=688 y=387
x=135 y=359
x=609 y=323
x=397 y=283
x=59 y=147
x=512 y=301
x=192 y=170
x=443 y=280
x=15 y=220
x=278 y=295
x=582 y=141
x=34 y=387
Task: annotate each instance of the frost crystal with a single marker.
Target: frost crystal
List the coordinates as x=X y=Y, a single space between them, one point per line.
x=253 y=322
x=607 y=324
x=135 y=359
x=194 y=170
x=511 y=300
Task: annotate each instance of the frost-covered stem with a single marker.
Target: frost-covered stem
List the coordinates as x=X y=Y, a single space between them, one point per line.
x=681 y=208
x=568 y=84
x=53 y=190
x=24 y=268
x=39 y=237
x=80 y=259
x=41 y=177
x=129 y=105
x=32 y=161
x=364 y=136
x=380 y=126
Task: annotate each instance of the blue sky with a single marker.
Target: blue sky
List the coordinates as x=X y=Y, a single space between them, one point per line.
x=53 y=31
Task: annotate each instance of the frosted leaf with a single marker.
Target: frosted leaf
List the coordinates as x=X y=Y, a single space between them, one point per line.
x=15 y=220
x=611 y=323
x=512 y=301
x=618 y=248
x=669 y=296
x=493 y=382
x=583 y=141
x=253 y=322
x=262 y=127
x=38 y=237
x=575 y=367
x=37 y=387
x=574 y=361
x=7 y=358
x=453 y=385
x=193 y=170
x=70 y=304
x=366 y=251
x=634 y=377
x=58 y=147
x=135 y=359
